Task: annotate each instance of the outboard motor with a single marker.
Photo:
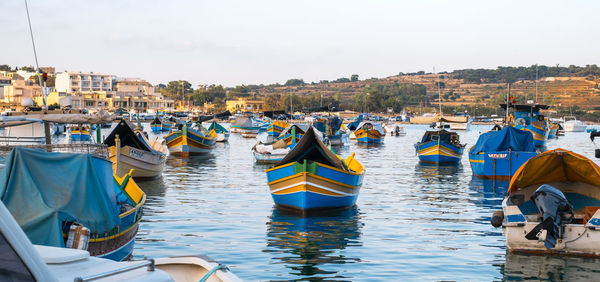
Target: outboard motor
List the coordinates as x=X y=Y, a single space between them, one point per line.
x=556 y=212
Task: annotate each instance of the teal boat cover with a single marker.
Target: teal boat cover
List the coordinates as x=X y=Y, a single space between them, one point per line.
x=46 y=191
x=502 y=140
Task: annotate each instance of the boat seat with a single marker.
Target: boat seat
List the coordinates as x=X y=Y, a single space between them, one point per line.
x=53 y=255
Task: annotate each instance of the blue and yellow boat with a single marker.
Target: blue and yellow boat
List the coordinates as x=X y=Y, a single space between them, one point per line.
x=527 y=117
x=275 y=128
x=499 y=154
x=292 y=130
x=440 y=147
x=160 y=125
x=93 y=199
x=186 y=142
x=79 y=133
x=369 y=133
x=311 y=177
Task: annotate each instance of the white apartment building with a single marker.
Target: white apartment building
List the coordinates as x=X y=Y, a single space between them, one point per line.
x=72 y=82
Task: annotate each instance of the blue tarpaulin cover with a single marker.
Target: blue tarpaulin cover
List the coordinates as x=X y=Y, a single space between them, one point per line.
x=43 y=190
x=502 y=140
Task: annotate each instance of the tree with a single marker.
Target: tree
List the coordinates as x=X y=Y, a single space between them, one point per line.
x=50 y=82
x=178 y=89
x=28 y=68
x=294 y=82
x=5 y=68
x=354 y=77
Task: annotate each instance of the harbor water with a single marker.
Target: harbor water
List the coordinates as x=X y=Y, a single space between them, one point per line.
x=411 y=221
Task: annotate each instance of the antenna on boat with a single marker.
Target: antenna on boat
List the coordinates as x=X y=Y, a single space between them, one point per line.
x=37 y=65
x=536 y=82
x=507 y=95
x=439 y=92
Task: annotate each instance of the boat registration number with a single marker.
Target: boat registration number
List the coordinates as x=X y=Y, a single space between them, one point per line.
x=136 y=154
x=497 y=156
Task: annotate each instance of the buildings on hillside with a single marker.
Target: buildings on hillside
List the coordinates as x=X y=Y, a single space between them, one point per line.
x=244 y=105
x=91 y=91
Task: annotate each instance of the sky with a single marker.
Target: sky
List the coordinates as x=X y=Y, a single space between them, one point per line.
x=264 y=42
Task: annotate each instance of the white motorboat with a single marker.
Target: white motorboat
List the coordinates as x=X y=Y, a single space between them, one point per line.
x=552 y=206
x=571 y=124
x=23 y=261
x=395 y=130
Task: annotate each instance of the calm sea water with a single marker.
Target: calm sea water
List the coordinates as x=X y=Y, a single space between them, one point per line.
x=411 y=222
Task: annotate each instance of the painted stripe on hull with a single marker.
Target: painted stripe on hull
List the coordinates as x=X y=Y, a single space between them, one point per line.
x=432 y=152
x=309 y=200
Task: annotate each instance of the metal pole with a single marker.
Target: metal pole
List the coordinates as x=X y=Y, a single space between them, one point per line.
x=507 y=94
x=37 y=65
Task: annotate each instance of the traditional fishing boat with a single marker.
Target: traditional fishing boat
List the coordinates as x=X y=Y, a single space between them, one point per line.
x=552 y=206
x=552 y=130
x=271 y=152
x=222 y=132
x=160 y=125
x=79 y=132
x=30 y=262
x=107 y=206
x=130 y=149
x=247 y=126
x=311 y=177
x=293 y=133
x=440 y=147
x=275 y=128
x=333 y=130
x=395 y=130
x=369 y=133
x=186 y=142
x=527 y=117
x=498 y=154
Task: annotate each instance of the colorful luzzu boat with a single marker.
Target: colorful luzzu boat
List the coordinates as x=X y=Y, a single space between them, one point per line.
x=275 y=128
x=553 y=130
x=222 y=132
x=247 y=126
x=440 y=147
x=528 y=117
x=499 y=154
x=294 y=130
x=334 y=132
x=187 y=142
x=552 y=206
x=160 y=125
x=369 y=133
x=79 y=133
x=110 y=207
x=311 y=177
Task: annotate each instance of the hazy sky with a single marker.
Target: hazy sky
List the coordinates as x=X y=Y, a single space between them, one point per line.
x=253 y=42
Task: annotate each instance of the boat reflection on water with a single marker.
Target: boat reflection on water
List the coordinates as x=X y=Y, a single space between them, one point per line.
x=192 y=161
x=309 y=245
x=519 y=267
x=489 y=187
x=154 y=188
x=438 y=173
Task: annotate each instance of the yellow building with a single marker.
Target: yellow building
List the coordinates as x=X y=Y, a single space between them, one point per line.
x=243 y=105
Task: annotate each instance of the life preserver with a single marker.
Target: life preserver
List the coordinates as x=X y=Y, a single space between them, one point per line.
x=540 y=117
x=511 y=118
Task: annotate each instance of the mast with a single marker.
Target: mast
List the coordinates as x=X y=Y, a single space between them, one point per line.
x=37 y=65
x=439 y=93
x=536 y=83
x=507 y=95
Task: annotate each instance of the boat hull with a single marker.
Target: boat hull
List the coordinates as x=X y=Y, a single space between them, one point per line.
x=189 y=144
x=368 y=137
x=439 y=152
x=222 y=137
x=146 y=165
x=498 y=165
x=540 y=133
x=80 y=135
x=310 y=187
x=267 y=158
